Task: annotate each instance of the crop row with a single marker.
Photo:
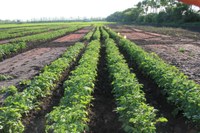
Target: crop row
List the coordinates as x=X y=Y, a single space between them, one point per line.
x=71 y=115
x=22 y=43
x=135 y=114
x=89 y=35
x=97 y=35
x=8 y=49
x=21 y=103
x=181 y=91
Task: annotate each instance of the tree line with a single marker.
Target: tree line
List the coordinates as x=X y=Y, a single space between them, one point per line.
x=157 y=11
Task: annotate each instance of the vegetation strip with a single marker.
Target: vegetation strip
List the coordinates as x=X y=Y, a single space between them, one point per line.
x=71 y=115
x=89 y=35
x=181 y=91
x=21 y=103
x=135 y=114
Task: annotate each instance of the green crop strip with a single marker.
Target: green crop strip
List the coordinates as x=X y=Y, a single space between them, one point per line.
x=40 y=87
x=181 y=91
x=88 y=36
x=96 y=35
x=71 y=115
x=7 y=49
x=5 y=77
x=135 y=114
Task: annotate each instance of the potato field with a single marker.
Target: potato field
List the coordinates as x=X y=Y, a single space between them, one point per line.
x=98 y=77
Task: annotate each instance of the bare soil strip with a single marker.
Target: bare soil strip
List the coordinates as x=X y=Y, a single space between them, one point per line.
x=181 y=52
x=156 y=99
x=103 y=118
x=69 y=38
x=72 y=37
x=28 y=64
x=5 y=41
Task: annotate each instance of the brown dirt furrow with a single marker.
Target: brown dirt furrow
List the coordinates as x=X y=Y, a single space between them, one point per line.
x=26 y=65
x=69 y=38
x=73 y=37
x=5 y=41
x=82 y=31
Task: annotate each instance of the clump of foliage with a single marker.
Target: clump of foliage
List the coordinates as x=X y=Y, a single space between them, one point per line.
x=153 y=11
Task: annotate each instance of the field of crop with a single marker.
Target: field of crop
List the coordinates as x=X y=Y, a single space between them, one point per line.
x=98 y=77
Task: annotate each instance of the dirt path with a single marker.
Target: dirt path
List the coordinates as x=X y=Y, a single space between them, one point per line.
x=76 y=36
x=26 y=65
x=103 y=118
x=181 y=52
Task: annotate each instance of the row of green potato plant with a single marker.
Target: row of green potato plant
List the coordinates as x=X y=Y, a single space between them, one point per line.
x=26 y=31
x=21 y=103
x=89 y=35
x=8 y=49
x=135 y=114
x=71 y=115
x=97 y=34
x=181 y=91
x=21 y=43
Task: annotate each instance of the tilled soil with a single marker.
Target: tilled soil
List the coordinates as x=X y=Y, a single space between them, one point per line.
x=72 y=37
x=103 y=118
x=5 y=41
x=26 y=65
x=179 y=51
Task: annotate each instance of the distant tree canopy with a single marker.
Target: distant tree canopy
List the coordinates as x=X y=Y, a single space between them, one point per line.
x=157 y=11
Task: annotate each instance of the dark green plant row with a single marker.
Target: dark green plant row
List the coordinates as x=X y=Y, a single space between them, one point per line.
x=135 y=115
x=89 y=35
x=7 y=49
x=19 y=104
x=4 y=77
x=12 y=33
x=104 y=34
x=180 y=91
x=71 y=115
x=21 y=43
x=97 y=34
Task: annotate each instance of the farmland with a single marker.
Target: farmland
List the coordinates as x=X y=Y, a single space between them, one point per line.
x=89 y=77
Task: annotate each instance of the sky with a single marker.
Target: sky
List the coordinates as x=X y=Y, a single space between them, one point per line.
x=29 y=9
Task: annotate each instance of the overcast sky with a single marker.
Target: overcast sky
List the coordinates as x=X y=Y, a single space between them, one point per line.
x=28 y=9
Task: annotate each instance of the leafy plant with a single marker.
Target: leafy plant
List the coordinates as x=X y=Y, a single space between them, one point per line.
x=5 y=77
